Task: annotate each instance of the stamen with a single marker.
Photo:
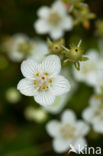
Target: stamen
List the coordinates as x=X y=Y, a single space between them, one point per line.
x=50 y=81
x=46 y=74
x=43 y=78
x=44 y=87
x=35 y=82
x=37 y=74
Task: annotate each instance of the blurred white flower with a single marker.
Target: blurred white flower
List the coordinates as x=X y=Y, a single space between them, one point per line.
x=91 y=70
x=19 y=47
x=39 y=50
x=67 y=132
x=35 y=114
x=43 y=80
x=54 y=20
x=12 y=95
x=58 y=104
x=93 y=114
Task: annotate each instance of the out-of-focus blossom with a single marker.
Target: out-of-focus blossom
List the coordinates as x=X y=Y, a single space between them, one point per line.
x=93 y=114
x=39 y=50
x=19 y=47
x=91 y=70
x=58 y=104
x=43 y=80
x=54 y=20
x=12 y=95
x=35 y=114
x=67 y=132
x=83 y=15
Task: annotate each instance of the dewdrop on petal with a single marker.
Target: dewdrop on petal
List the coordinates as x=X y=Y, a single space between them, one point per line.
x=35 y=114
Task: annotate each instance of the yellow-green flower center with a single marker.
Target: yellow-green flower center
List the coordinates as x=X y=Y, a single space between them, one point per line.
x=54 y=18
x=25 y=48
x=68 y=131
x=43 y=81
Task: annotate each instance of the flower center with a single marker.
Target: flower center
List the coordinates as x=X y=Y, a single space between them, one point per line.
x=25 y=48
x=42 y=81
x=68 y=131
x=54 y=18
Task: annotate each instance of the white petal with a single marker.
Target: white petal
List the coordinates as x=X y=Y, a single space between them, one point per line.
x=82 y=128
x=58 y=104
x=59 y=7
x=44 y=99
x=98 y=127
x=56 y=33
x=53 y=128
x=25 y=86
x=60 y=85
x=41 y=26
x=16 y=56
x=67 y=23
x=68 y=116
x=52 y=64
x=79 y=143
x=61 y=145
x=88 y=114
x=39 y=51
x=43 y=12
x=29 y=68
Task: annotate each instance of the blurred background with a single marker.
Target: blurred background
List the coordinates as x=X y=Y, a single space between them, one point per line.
x=18 y=135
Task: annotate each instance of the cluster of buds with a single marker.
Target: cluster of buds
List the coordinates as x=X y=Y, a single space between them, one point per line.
x=80 y=11
x=73 y=54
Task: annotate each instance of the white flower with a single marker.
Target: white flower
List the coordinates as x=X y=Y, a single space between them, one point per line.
x=15 y=46
x=54 y=20
x=90 y=70
x=43 y=80
x=67 y=132
x=19 y=47
x=93 y=114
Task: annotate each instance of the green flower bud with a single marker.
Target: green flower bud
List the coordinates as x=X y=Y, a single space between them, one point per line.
x=75 y=53
x=55 y=46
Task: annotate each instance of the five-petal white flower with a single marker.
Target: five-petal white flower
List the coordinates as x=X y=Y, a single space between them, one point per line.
x=67 y=132
x=54 y=20
x=43 y=80
x=93 y=114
